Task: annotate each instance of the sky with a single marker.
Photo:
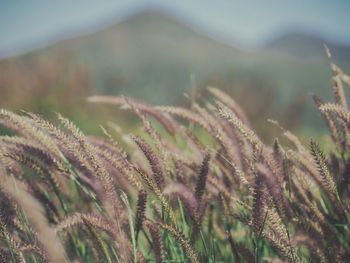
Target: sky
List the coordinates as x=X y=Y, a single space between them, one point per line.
x=26 y=25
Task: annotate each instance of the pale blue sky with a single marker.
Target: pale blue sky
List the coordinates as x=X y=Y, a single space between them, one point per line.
x=28 y=24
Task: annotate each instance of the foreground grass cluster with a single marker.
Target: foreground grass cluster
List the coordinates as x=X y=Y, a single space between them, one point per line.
x=198 y=186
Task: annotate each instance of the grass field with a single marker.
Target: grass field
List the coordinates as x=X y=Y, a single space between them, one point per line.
x=193 y=184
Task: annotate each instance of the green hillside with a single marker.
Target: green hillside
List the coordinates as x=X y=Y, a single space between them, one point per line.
x=158 y=58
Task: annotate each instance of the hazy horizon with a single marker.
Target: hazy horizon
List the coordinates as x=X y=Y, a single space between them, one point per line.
x=23 y=27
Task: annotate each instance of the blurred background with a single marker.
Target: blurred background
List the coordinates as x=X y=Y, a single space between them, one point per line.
x=269 y=55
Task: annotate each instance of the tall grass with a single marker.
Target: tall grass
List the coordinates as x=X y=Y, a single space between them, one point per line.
x=194 y=185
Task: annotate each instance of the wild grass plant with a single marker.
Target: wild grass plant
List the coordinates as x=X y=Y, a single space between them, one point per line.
x=196 y=185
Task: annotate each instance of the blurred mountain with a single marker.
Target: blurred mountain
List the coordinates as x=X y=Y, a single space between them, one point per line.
x=149 y=55
x=306 y=46
x=156 y=57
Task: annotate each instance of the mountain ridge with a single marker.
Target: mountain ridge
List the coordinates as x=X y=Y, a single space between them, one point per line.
x=305 y=45
x=157 y=59
x=281 y=42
